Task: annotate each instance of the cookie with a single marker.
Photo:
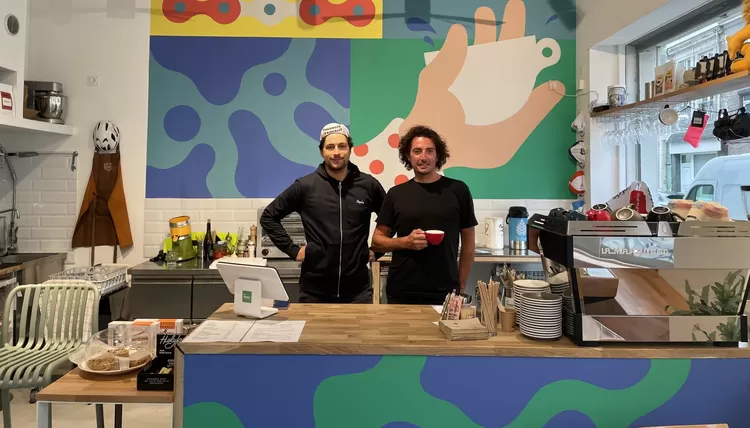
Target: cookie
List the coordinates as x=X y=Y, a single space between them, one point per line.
x=103 y=363
x=119 y=352
x=140 y=361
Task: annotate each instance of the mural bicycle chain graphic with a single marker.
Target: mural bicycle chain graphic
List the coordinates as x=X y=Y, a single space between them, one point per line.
x=359 y=13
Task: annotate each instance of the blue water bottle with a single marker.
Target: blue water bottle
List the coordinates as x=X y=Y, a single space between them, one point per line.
x=518 y=219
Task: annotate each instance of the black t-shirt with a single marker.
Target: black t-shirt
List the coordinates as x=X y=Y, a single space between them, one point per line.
x=444 y=205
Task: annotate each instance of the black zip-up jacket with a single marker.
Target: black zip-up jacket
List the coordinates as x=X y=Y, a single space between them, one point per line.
x=336 y=219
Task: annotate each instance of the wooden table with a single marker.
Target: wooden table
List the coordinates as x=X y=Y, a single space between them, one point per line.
x=81 y=387
x=357 y=365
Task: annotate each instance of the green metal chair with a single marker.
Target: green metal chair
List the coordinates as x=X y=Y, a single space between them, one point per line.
x=55 y=317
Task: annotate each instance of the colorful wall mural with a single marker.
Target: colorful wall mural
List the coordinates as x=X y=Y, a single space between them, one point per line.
x=239 y=90
x=298 y=391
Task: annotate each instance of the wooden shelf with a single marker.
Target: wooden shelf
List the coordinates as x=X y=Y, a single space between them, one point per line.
x=729 y=83
x=17 y=124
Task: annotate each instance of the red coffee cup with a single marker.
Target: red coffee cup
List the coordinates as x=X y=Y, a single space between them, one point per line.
x=434 y=237
x=599 y=212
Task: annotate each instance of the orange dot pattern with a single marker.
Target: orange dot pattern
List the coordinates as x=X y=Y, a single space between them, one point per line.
x=376 y=167
x=393 y=140
x=361 y=150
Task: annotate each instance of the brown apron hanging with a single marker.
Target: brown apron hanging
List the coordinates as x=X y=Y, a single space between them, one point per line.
x=103 y=218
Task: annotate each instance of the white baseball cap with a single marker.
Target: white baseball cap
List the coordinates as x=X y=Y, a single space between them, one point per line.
x=334 y=128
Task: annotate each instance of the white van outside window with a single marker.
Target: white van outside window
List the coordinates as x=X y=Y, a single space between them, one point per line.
x=702 y=193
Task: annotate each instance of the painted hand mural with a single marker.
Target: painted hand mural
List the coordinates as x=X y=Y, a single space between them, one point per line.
x=239 y=116
x=494 y=82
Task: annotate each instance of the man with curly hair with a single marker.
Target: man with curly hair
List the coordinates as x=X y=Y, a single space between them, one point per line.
x=421 y=273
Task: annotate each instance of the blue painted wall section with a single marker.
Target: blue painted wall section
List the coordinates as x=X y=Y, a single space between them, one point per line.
x=414 y=391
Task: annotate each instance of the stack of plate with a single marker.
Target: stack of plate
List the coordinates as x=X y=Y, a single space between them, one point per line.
x=521 y=286
x=569 y=313
x=541 y=316
x=559 y=283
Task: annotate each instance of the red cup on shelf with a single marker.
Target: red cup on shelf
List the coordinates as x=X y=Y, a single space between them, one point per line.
x=599 y=212
x=434 y=237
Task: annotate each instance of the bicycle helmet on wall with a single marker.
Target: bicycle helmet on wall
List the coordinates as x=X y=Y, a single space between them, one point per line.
x=106 y=137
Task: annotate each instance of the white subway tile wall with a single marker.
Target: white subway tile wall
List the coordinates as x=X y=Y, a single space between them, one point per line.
x=46 y=201
x=227 y=215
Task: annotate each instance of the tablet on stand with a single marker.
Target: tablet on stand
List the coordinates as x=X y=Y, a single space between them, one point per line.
x=251 y=284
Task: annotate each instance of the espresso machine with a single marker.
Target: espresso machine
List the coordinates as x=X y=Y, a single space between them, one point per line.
x=650 y=282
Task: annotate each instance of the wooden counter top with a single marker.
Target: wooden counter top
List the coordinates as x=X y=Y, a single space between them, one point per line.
x=10 y=269
x=409 y=330
x=80 y=387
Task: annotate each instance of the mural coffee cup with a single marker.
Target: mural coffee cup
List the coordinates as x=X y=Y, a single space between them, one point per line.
x=497 y=78
x=434 y=237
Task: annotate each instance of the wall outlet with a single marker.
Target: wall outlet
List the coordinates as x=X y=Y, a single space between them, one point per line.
x=92 y=81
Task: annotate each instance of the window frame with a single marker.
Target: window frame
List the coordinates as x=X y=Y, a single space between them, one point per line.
x=649 y=49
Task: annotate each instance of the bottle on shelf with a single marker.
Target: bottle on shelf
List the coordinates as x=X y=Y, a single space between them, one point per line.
x=208 y=244
x=250 y=249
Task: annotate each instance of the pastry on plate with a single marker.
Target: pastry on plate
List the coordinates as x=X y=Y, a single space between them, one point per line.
x=103 y=363
x=119 y=352
x=140 y=360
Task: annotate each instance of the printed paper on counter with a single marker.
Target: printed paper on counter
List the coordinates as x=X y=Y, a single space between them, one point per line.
x=275 y=331
x=219 y=331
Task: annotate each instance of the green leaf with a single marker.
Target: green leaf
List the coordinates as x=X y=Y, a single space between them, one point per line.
x=688 y=290
x=695 y=339
x=704 y=294
x=716 y=289
x=712 y=337
x=707 y=310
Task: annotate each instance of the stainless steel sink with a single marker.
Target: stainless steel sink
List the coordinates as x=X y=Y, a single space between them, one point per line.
x=21 y=258
x=35 y=267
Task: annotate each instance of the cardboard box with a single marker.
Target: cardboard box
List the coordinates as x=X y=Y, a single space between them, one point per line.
x=162 y=325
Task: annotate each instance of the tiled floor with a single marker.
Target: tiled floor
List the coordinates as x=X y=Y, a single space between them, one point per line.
x=23 y=414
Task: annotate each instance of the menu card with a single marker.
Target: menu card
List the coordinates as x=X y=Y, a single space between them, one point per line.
x=219 y=331
x=246 y=331
x=275 y=331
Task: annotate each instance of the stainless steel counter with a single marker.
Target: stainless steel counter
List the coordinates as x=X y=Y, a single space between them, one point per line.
x=481 y=255
x=158 y=291
x=191 y=289
x=487 y=255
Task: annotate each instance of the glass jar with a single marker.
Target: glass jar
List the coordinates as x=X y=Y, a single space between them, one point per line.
x=120 y=348
x=220 y=250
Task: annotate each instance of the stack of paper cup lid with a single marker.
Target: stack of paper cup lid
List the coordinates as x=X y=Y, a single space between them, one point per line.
x=569 y=313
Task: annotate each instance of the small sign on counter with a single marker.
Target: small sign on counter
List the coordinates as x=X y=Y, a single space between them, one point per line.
x=159 y=375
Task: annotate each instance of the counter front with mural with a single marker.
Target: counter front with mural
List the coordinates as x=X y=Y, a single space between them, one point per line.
x=389 y=366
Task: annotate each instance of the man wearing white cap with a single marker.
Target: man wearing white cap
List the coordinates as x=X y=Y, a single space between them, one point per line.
x=335 y=203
